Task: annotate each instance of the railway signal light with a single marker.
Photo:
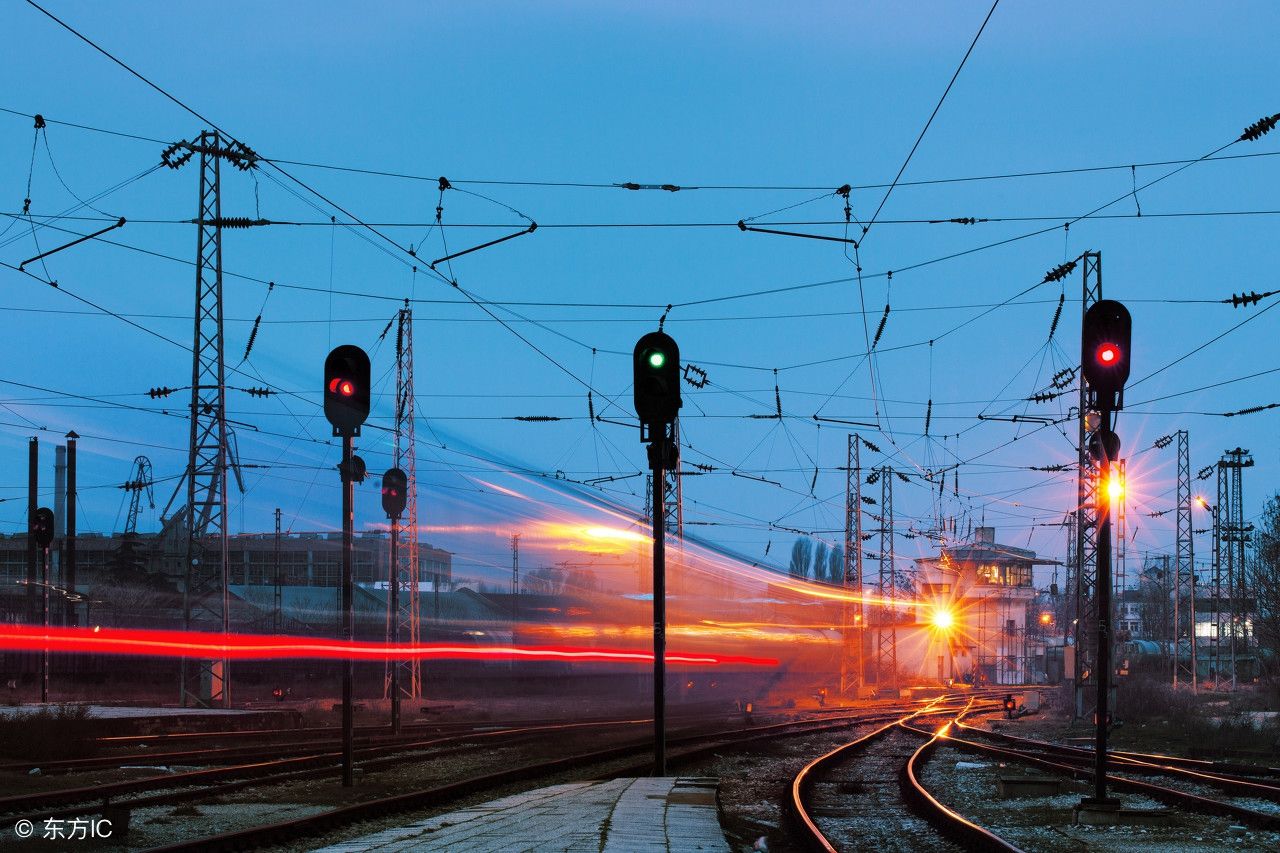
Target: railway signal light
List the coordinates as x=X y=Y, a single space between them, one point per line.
x=395 y=491
x=42 y=526
x=1009 y=706
x=1104 y=352
x=346 y=389
x=657 y=379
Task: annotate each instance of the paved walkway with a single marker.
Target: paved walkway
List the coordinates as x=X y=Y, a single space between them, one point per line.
x=618 y=816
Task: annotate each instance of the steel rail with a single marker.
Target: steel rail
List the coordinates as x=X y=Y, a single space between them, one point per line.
x=1173 y=796
x=312 y=825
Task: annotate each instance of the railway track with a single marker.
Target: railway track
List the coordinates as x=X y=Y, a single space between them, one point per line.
x=624 y=760
x=1081 y=767
x=867 y=795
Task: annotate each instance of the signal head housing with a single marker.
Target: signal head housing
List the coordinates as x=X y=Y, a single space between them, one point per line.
x=657 y=379
x=346 y=389
x=1104 y=352
x=395 y=492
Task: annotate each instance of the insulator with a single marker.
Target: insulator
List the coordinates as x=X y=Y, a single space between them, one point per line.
x=591 y=407
x=814 y=483
x=903 y=477
x=1059 y=272
x=868 y=500
x=1163 y=441
x=236 y=222
x=704 y=468
x=695 y=376
x=1205 y=473
x=253 y=335
x=777 y=400
x=1260 y=128
x=162 y=391
x=538 y=418
x=868 y=445
x=1057 y=315
x=928 y=417
x=873 y=478
x=167 y=158
x=884 y=318
x=259 y=392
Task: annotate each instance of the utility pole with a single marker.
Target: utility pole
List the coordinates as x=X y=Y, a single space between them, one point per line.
x=33 y=487
x=887 y=631
x=1184 y=596
x=206 y=601
x=277 y=602
x=69 y=540
x=515 y=584
x=394 y=486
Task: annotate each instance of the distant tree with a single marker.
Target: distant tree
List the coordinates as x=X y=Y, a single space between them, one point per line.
x=819 y=572
x=835 y=565
x=1155 y=602
x=800 y=551
x=1264 y=578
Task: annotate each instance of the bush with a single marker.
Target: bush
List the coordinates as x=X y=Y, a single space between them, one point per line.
x=50 y=734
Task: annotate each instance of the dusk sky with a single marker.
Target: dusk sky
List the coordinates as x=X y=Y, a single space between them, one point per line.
x=756 y=111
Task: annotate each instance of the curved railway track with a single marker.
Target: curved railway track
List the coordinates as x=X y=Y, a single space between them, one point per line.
x=633 y=757
x=867 y=794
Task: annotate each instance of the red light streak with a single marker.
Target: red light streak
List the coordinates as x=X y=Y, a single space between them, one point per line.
x=196 y=644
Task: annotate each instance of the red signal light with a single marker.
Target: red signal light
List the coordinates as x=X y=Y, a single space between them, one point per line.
x=1108 y=355
x=343 y=387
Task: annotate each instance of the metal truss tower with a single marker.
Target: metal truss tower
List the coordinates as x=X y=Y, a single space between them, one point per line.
x=1086 y=609
x=886 y=630
x=408 y=619
x=672 y=508
x=205 y=599
x=1234 y=534
x=1184 y=588
x=851 y=663
x=672 y=505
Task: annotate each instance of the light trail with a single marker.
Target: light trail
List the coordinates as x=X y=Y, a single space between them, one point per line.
x=197 y=644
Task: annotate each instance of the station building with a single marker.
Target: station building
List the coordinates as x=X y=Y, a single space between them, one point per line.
x=994 y=635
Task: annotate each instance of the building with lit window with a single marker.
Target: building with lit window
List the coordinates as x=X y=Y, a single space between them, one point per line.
x=987 y=589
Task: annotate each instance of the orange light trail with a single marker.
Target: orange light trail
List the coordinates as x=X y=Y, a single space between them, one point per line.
x=196 y=644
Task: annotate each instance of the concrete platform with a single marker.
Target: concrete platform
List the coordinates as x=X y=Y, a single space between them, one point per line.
x=617 y=816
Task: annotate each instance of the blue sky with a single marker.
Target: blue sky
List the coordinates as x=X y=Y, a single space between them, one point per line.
x=719 y=94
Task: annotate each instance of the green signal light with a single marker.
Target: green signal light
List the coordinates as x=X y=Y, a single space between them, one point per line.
x=657 y=358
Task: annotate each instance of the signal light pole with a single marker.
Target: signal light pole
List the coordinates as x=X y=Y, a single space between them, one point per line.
x=394 y=492
x=656 y=364
x=346 y=406
x=1104 y=361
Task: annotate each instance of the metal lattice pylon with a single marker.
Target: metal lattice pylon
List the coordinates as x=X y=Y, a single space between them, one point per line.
x=205 y=598
x=1184 y=588
x=1086 y=575
x=886 y=631
x=408 y=619
x=852 y=612
x=673 y=511
x=1233 y=535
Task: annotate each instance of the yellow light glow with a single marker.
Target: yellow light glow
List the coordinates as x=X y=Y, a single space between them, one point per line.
x=1201 y=501
x=1115 y=486
x=1046 y=618
x=942 y=619
x=614 y=534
